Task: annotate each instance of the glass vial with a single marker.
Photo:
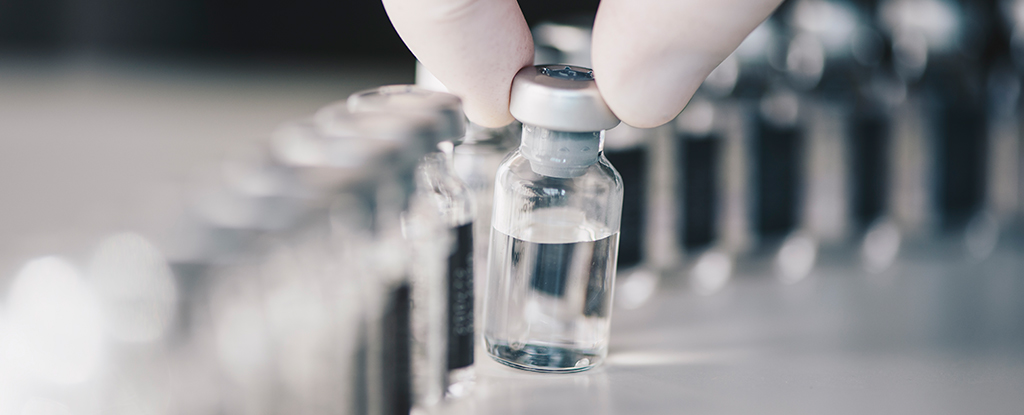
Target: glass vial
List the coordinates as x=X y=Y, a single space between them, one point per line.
x=390 y=352
x=555 y=227
x=449 y=201
x=446 y=234
x=363 y=166
x=476 y=161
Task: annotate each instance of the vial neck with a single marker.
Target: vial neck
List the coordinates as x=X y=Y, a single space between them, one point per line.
x=436 y=164
x=560 y=154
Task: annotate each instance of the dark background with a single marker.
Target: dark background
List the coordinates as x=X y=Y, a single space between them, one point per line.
x=220 y=29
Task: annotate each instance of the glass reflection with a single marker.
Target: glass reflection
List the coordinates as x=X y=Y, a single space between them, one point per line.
x=635 y=288
x=711 y=272
x=880 y=246
x=54 y=329
x=981 y=235
x=135 y=286
x=796 y=258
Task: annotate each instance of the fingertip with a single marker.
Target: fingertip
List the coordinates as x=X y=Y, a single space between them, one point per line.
x=650 y=56
x=489 y=116
x=473 y=47
x=650 y=94
x=487 y=102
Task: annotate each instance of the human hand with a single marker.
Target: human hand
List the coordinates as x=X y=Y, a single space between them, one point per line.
x=649 y=56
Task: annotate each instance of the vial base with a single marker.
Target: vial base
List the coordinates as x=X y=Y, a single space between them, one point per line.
x=543 y=358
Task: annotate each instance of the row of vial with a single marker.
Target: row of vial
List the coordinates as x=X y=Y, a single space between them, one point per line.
x=836 y=125
x=328 y=270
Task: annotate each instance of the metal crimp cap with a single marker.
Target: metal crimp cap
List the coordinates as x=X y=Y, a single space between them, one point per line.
x=560 y=98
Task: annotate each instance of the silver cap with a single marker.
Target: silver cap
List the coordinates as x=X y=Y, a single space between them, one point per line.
x=444 y=107
x=560 y=98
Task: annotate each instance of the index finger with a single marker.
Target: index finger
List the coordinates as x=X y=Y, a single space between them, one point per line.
x=474 y=47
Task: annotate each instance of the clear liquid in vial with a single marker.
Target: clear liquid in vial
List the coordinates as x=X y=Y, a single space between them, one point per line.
x=549 y=296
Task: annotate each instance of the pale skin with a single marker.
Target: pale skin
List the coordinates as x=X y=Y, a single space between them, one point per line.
x=649 y=56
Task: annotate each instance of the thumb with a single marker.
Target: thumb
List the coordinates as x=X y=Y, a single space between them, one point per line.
x=650 y=56
x=474 y=47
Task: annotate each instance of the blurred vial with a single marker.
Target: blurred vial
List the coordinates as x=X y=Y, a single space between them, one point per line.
x=372 y=157
x=240 y=337
x=713 y=205
x=874 y=131
x=155 y=313
x=565 y=40
x=215 y=217
x=703 y=180
x=778 y=142
x=1004 y=156
x=1005 y=198
x=942 y=128
x=699 y=147
x=645 y=239
x=54 y=325
x=324 y=297
x=395 y=264
x=831 y=56
x=136 y=287
x=716 y=154
x=629 y=149
x=557 y=207
x=476 y=161
x=158 y=284
x=798 y=158
x=871 y=137
x=431 y=244
x=449 y=200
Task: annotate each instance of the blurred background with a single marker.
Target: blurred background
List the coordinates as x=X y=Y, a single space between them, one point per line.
x=833 y=224
x=99 y=97
x=223 y=30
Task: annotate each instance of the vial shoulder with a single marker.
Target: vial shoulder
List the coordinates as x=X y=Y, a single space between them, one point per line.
x=514 y=167
x=445 y=190
x=606 y=169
